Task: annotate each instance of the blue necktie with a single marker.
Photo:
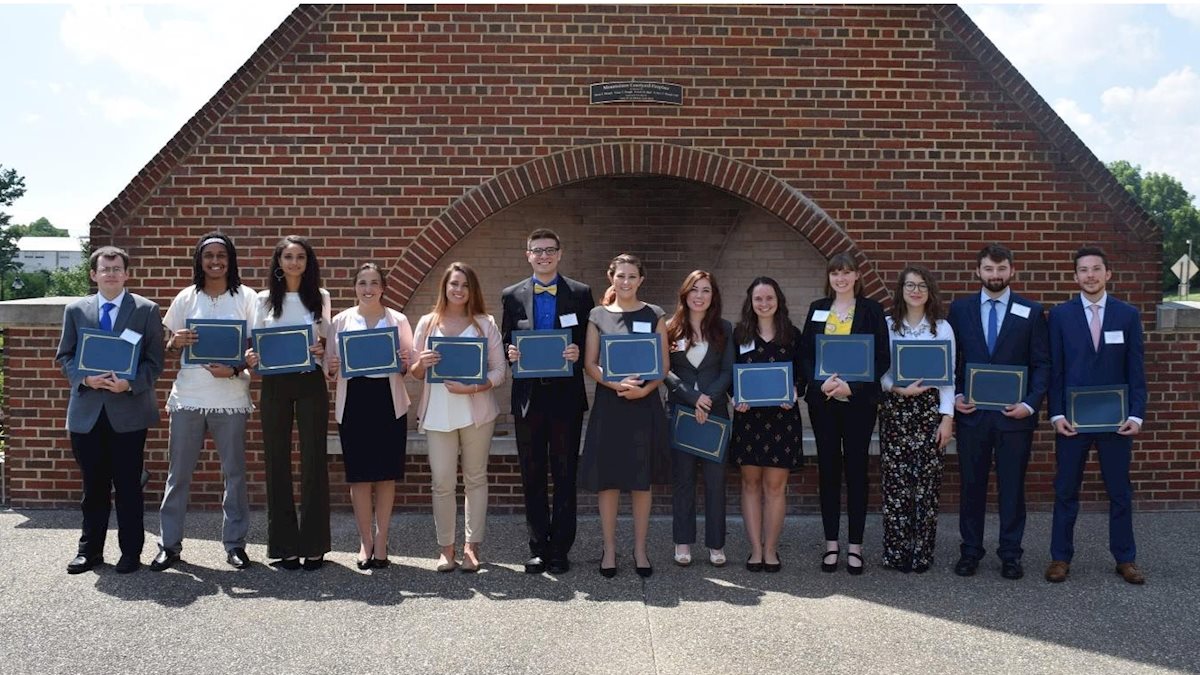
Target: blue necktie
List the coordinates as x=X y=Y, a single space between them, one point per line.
x=105 y=319
x=993 y=326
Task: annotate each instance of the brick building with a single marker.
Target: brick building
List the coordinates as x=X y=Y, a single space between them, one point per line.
x=416 y=135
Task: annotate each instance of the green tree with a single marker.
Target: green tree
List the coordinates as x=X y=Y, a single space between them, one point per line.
x=70 y=282
x=1171 y=206
x=12 y=186
x=41 y=227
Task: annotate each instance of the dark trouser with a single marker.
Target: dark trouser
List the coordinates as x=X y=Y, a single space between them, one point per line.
x=977 y=444
x=683 y=499
x=110 y=461
x=1114 y=452
x=549 y=441
x=303 y=397
x=843 y=435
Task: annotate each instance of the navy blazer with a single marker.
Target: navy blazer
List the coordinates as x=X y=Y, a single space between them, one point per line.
x=1021 y=342
x=1077 y=363
x=868 y=318
x=573 y=297
x=713 y=377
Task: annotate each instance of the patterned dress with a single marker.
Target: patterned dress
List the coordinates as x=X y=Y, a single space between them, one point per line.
x=769 y=437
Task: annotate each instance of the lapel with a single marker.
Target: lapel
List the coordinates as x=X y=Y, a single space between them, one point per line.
x=91 y=312
x=524 y=296
x=124 y=314
x=562 y=299
x=856 y=324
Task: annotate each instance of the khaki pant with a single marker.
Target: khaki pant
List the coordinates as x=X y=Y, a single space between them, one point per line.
x=474 y=443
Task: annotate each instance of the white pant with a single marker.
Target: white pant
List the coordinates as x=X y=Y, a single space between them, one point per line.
x=474 y=443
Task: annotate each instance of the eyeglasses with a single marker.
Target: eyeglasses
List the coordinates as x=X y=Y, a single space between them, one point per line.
x=115 y=271
x=910 y=287
x=549 y=250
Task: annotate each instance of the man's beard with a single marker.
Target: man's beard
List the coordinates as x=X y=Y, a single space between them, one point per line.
x=996 y=285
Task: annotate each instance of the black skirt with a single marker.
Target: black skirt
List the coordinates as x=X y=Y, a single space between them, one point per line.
x=374 y=441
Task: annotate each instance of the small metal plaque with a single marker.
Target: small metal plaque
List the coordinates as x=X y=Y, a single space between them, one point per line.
x=640 y=92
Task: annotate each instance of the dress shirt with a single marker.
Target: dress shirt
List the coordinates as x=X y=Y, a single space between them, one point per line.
x=100 y=300
x=1087 y=320
x=543 y=306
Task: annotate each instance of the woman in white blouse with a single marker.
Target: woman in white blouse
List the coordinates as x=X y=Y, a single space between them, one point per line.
x=295 y=298
x=372 y=417
x=459 y=418
x=207 y=397
x=915 y=424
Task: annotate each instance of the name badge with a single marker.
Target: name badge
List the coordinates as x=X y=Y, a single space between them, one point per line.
x=748 y=347
x=642 y=327
x=131 y=336
x=820 y=315
x=681 y=345
x=1020 y=310
x=568 y=320
x=1114 y=337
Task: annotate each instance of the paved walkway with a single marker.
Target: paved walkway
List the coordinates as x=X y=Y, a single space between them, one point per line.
x=203 y=617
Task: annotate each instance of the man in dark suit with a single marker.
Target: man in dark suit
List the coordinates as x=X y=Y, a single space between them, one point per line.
x=1095 y=340
x=996 y=326
x=548 y=412
x=108 y=416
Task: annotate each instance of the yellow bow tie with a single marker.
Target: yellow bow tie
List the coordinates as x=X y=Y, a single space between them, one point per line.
x=552 y=290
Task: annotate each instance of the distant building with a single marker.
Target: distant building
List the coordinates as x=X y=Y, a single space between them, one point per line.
x=49 y=253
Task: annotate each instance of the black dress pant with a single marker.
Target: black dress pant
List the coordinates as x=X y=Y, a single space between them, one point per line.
x=843 y=435
x=548 y=442
x=979 y=447
x=110 y=461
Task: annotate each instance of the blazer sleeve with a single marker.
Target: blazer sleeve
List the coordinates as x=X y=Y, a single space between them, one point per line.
x=67 y=344
x=883 y=351
x=1135 y=367
x=721 y=385
x=676 y=388
x=150 y=365
x=1057 y=404
x=808 y=345
x=1039 y=359
x=960 y=374
x=497 y=364
x=507 y=318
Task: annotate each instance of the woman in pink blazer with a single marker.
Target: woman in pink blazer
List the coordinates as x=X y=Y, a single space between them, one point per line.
x=377 y=410
x=458 y=418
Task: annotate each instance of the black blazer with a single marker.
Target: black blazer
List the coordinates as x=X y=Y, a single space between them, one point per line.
x=868 y=318
x=714 y=376
x=573 y=297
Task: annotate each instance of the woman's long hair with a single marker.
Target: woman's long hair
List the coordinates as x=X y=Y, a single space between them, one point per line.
x=310 y=282
x=610 y=294
x=747 y=326
x=933 y=304
x=679 y=326
x=233 y=280
x=475 y=304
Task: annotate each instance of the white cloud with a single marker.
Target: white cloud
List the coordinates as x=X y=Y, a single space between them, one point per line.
x=1186 y=12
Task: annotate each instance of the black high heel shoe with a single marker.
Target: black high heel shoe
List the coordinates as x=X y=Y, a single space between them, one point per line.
x=643 y=572
x=830 y=567
x=608 y=572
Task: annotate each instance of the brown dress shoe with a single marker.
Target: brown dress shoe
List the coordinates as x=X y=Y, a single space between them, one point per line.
x=1057 y=571
x=1130 y=572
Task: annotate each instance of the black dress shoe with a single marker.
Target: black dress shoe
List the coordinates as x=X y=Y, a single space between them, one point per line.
x=921 y=568
x=127 y=564
x=773 y=568
x=288 y=564
x=238 y=559
x=313 y=564
x=163 y=560
x=535 y=565
x=753 y=566
x=965 y=567
x=558 y=566
x=364 y=564
x=608 y=572
x=81 y=563
x=1011 y=569
x=643 y=572
x=380 y=563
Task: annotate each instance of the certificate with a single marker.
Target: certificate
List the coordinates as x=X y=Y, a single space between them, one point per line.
x=994 y=387
x=707 y=441
x=283 y=349
x=762 y=385
x=541 y=353
x=369 y=352
x=102 y=352
x=217 y=341
x=464 y=360
x=852 y=357
x=925 y=360
x=1098 y=409
x=635 y=355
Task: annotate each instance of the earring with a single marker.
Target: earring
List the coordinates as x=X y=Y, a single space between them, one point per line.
x=278 y=274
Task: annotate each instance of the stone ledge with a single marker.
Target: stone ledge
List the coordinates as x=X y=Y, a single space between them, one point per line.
x=1178 y=316
x=34 y=311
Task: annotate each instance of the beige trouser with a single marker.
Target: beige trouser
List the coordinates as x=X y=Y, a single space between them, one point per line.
x=444 y=447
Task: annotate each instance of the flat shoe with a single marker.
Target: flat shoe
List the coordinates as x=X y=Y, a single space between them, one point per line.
x=772 y=568
x=753 y=566
x=363 y=564
x=446 y=565
x=851 y=568
x=830 y=567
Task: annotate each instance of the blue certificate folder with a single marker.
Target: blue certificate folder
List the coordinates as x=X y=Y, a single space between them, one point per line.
x=852 y=357
x=637 y=355
x=283 y=349
x=217 y=341
x=101 y=352
x=763 y=384
x=541 y=353
x=1098 y=409
x=993 y=387
x=369 y=352
x=925 y=360
x=707 y=441
x=464 y=360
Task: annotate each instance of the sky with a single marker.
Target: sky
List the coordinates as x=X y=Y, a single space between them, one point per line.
x=92 y=92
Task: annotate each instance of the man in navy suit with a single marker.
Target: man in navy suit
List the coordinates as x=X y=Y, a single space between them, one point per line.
x=548 y=412
x=996 y=326
x=1095 y=340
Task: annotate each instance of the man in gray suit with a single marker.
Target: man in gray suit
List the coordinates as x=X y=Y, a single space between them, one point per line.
x=108 y=416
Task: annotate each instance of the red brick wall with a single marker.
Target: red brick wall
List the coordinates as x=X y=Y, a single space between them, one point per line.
x=393 y=133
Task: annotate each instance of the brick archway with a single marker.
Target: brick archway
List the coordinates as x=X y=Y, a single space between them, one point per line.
x=623 y=159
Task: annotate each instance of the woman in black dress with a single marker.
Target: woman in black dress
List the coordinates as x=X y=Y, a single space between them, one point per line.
x=372 y=417
x=767 y=442
x=627 y=431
